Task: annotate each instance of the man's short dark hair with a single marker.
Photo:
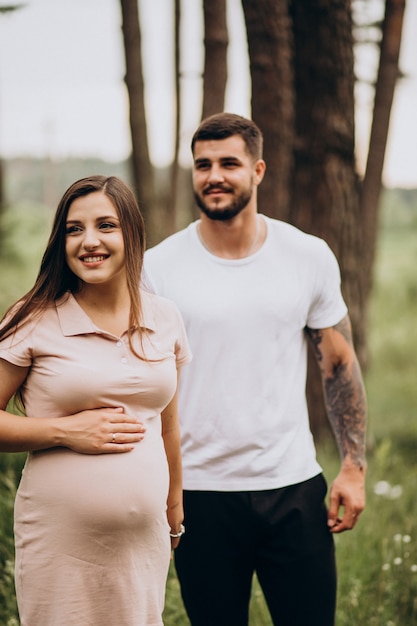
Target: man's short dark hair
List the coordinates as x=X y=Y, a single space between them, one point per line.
x=224 y=125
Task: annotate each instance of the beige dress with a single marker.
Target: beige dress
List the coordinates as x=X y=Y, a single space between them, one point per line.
x=91 y=533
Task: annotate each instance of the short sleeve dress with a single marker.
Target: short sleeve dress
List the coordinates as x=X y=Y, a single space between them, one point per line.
x=91 y=532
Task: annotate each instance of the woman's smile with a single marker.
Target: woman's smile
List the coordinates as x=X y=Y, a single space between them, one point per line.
x=94 y=240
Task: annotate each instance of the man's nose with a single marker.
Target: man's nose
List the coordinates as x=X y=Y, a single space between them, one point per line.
x=215 y=174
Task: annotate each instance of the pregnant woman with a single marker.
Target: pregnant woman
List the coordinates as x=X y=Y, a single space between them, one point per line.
x=93 y=362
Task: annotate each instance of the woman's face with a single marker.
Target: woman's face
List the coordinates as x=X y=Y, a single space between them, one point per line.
x=94 y=245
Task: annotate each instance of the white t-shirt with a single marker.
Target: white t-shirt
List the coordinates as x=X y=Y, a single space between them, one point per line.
x=243 y=411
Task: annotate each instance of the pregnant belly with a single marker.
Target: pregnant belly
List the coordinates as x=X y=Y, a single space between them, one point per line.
x=107 y=492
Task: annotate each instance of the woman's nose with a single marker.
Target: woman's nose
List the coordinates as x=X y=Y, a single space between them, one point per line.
x=91 y=239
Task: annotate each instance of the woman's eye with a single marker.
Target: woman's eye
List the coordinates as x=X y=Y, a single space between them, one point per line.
x=72 y=229
x=106 y=225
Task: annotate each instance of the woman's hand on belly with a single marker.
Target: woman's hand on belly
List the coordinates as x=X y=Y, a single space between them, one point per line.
x=99 y=431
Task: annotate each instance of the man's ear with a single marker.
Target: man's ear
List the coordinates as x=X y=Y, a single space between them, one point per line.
x=259 y=171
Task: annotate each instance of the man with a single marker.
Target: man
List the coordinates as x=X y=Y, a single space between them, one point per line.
x=252 y=291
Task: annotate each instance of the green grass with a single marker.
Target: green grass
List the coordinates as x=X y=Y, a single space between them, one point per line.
x=377 y=562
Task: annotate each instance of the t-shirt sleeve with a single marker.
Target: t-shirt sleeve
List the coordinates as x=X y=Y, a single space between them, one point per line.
x=17 y=347
x=327 y=306
x=182 y=347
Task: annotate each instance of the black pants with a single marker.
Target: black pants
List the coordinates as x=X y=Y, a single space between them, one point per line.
x=280 y=534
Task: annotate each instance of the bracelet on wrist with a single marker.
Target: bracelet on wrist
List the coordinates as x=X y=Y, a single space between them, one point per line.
x=179 y=533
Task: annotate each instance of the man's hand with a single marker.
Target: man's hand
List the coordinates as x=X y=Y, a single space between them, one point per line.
x=347 y=491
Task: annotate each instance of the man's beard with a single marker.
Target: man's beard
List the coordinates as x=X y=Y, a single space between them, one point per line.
x=228 y=212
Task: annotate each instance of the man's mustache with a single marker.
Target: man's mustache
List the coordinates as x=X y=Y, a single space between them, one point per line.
x=211 y=188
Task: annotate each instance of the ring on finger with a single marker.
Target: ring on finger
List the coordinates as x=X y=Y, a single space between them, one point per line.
x=113 y=438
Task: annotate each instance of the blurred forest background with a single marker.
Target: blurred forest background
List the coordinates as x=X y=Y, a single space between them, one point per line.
x=303 y=81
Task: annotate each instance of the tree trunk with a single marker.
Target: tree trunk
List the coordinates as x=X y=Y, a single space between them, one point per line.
x=216 y=42
x=173 y=196
x=270 y=51
x=325 y=196
x=3 y=10
x=388 y=73
x=141 y=166
x=2 y=206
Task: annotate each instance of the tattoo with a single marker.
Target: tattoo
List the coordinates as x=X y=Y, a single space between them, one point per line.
x=344 y=395
x=344 y=329
x=346 y=407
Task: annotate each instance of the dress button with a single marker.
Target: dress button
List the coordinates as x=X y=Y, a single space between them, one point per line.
x=124 y=359
x=118 y=344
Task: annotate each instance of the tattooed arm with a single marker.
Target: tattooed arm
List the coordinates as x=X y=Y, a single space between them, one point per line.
x=345 y=402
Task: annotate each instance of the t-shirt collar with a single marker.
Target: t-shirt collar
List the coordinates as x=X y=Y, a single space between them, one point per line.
x=75 y=321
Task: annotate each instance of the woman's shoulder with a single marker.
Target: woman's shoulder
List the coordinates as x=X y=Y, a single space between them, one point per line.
x=17 y=317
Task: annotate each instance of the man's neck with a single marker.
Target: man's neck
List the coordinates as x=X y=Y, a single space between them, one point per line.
x=232 y=239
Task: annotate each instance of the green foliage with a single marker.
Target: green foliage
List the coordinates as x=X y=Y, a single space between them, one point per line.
x=399 y=209
x=10 y=468
x=43 y=181
x=391 y=380
x=26 y=230
x=377 y=562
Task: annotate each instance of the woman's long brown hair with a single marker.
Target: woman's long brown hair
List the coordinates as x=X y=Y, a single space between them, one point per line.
x=55 y=278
